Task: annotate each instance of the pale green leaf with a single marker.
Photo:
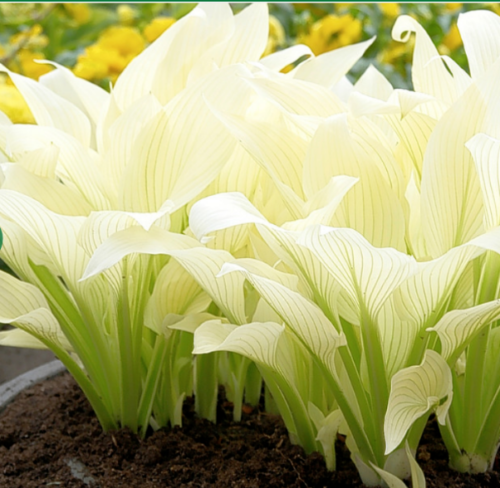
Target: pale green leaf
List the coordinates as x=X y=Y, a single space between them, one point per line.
x=371 y=207
x=368 y=274
x=486 y=153
x=278 y=60
x=459 y=327
x=50 y=109
x=328 y=69
x=480 y=31
x=304 y=317
x=454 y=212
x=415 y=391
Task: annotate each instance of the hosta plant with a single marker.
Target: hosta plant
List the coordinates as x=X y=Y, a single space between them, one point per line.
x=342 y=239
x=98 y=165
x=388 y=217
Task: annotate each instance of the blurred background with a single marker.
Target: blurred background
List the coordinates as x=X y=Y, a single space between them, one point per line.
x=97 y=41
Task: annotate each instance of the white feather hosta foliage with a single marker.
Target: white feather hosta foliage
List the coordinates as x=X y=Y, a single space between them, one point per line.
x=341 y=228
x=421 y=208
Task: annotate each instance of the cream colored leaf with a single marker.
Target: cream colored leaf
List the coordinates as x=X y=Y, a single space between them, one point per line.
x=427 y=76
x=454 y=212
x=458 y=327
x=304 y=317
x=415 y=391
x=51 y=110
x=480 y=31
x=368 y=274
x=278 y=60
x=138 y=77
x=327 y=69
x=486 y=154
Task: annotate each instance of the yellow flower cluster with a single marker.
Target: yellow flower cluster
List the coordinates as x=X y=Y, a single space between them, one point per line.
x=117 y=46
x=331 y=32
x=109 y=56
x=79 y=12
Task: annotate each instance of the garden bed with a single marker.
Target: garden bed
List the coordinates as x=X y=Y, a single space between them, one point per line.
x=50 y=437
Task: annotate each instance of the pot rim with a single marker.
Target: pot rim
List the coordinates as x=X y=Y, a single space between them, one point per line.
x=10 y=390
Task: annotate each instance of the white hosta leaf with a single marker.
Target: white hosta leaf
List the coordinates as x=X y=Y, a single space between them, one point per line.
x=417 y=475
x=374 y=84
x=54 y=195
x=278 y=60
x=454 y=212
x=298 y=96
x=458 y=327
x=123 y=133
x=256 y=341
x=415 y=391
x=190 y=54
x=50 y=109
x=486 y=154
x=87 y=96
x=41 y=162
x=54 y=233
x=427 y=76
x=134 y=240
x=231 y=209
x=17 y=247
x=368 y=274
x=222 y=211
x=304 y=317
x=227 y=292
x=426 y=291
x=279 y=150
x=324 y=210
x=175 y=292
x=480 y=31
x=360 y=105
x=20 y=338
x=413 y=133
x=327 y=69
x=397 y=337
x=389 y=479
x=246 y=43
x=327 y=428
x=138 y=77
x=183 y=149
x=24 y=306
x=76 y=166
x=371 y=207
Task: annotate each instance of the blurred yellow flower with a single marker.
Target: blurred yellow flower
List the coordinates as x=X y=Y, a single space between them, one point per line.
x=157 y=27
x=390 y=10
x=452 y=40
x=125 y=40
x=331 y=32
x=452 y=7
x=276 y=35
x=90 y=69
x=13 y=105
x=126 y=14
x=79 y=12
x=25 y=64
x=115 y=48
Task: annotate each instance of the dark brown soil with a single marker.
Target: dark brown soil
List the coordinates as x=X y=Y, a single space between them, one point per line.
x=49 y=437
